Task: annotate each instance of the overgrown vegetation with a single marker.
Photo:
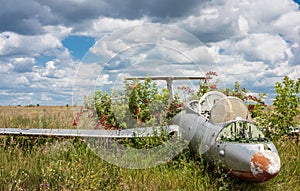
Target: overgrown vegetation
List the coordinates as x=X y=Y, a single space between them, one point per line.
x=68 y=164
x=36 y=163
x=143 y=105
x=286 y=109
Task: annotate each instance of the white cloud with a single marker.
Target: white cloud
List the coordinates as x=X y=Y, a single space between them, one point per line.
x=22 y=80
x=59 y=31
x=45 y=97
x=251 y=41
x=108 y=49
x=6 y=68
x=288 y=25
x=264 y=47
x=22 y=64
x=108 y=25
x=15 y=44
x=219 y=20
x=243 y=25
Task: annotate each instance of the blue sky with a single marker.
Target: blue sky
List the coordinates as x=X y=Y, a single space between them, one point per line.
x=78 y=45
x=45 y=46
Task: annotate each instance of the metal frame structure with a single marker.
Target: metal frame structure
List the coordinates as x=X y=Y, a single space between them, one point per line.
x=169 y=80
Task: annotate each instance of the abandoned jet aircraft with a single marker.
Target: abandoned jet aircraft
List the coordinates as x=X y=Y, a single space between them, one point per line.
x=219 y=129
x=224 y=135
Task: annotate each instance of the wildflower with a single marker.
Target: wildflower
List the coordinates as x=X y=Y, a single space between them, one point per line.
x=211 y=73
x=80 y=113
x=97 y=126
x=104 y=117
x=213 y=86
x=101 y=121
x=137 y=112
x=250 y=107
x=76 y=120
x=43 y=186
x=74 y=123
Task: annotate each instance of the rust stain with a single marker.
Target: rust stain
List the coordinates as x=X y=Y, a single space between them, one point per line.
x=261 y=161
x=260 y=165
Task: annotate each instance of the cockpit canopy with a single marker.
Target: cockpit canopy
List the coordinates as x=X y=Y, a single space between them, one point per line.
x=228 y=109
x=232 y=114
x=218 y=108
x=229 y=112
x=240 y=131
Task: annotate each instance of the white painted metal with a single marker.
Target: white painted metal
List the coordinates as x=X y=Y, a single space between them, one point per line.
x=169 y=80
x=126 y=133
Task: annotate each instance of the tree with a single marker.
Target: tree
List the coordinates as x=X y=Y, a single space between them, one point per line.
x=144 y=99
x=286 y=105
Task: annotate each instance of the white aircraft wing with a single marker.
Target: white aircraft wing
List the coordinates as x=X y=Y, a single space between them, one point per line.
x=126 y=133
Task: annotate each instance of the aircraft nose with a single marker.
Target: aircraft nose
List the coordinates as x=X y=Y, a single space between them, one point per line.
x=265 y=165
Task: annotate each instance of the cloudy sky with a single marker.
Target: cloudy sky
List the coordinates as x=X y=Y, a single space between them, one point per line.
x=47 y=47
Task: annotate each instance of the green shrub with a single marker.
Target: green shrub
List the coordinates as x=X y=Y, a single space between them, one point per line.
x=142 y=104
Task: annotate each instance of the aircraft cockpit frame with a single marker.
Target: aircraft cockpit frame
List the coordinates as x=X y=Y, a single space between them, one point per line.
x=242 y=131
x=232 y=115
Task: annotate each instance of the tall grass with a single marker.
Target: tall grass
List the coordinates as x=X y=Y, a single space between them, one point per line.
x=36 y=163
x=36 y=117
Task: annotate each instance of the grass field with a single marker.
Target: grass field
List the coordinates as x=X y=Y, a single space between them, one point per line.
x=36 y=117
x=35 y=163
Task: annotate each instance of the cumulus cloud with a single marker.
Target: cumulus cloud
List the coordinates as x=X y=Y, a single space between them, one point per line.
x=25 y=17
x=237 y=18
x=21 y=74
x=263 y=47
x=22 y=80
x=107 y=25
x=29 y=17
x=254 y=42
x=22 y=64
x=13 y=44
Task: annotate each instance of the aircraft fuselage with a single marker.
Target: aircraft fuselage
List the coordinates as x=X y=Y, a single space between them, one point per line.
x=237 y=146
